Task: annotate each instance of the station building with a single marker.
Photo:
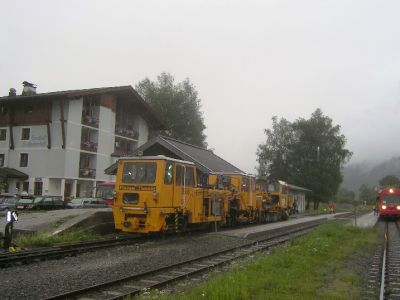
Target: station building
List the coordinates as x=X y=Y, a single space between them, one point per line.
x=59 y=143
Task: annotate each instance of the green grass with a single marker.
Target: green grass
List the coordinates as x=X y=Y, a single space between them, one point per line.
x=46 y=238
x=42 y=239
x=321 y=265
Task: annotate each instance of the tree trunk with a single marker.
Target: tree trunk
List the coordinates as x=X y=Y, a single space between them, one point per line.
x=316 y=204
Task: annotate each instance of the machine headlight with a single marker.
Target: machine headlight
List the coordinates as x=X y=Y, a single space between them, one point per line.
x=398 y=207
x=383 y=206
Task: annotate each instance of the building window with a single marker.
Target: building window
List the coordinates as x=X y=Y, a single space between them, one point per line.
x=25 y=134
x=2 y=160
x=38 y=188
x=25 y=186
x=23 y=160
x=3 y=134
x=3 y=110
x=28 y=109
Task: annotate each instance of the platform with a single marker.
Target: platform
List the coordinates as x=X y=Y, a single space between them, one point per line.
x=56 y=221
x=250 y=232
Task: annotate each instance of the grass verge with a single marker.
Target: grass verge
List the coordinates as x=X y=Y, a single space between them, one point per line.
x=46 y=238
x=43 y=239
x=326 y=264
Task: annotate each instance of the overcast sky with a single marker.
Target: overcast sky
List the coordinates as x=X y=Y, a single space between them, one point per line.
x=249 y=61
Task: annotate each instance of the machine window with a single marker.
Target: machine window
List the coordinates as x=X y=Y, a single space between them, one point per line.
x=391 y=199
x=189 y=176
x=184 y=173
x=169 y=173
x=245 y=184
x=139 y=172
x=272 y=188
x=179 y=175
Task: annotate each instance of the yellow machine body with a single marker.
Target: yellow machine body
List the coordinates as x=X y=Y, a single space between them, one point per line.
x=156 y=194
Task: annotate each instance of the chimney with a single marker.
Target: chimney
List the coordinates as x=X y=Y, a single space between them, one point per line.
x=12 y=93
x=29 y=89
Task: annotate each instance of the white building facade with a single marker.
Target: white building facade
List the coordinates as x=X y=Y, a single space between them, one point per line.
x=63 y=141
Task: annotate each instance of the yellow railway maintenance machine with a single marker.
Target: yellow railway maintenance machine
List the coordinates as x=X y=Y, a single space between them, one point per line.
x=239 y=197
x=282 y=200
x=160 y=194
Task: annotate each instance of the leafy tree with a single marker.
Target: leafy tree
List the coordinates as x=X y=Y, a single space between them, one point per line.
x=390 y=181
x=178 y=105
x=366 y=193
x=346 y=196
x=273 y=155
x=311 y=153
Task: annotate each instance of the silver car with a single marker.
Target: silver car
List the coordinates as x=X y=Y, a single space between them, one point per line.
x=87 y=203
x=7 y=201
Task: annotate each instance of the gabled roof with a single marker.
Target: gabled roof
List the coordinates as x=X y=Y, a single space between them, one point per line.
x=205 y=160
x=12 y=173
x=125 y=92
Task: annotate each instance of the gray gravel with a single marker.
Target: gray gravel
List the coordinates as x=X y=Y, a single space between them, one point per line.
x=44 y=279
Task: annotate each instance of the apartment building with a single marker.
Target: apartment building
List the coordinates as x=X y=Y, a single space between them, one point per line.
x=59 y=143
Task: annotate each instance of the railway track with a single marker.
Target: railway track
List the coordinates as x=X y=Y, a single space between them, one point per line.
x=134 y=284
x=390 y=275
x=64 y=250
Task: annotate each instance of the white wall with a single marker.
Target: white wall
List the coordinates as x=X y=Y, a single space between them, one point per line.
x=106 y=142
x=143 y=131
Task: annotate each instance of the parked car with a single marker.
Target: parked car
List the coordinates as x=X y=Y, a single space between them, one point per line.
x=7 y=201
x=87 y=203
x=24 y=202
x=40 y=202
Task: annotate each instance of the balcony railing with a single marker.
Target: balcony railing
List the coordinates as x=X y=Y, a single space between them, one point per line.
x=122 y=153
x=89 y=146
x=129 y=133
x=90 y=121
x=87 y=173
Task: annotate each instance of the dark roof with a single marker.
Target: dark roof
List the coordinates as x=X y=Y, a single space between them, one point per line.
x=12 y=173
x=127 y=92
x=205 y=160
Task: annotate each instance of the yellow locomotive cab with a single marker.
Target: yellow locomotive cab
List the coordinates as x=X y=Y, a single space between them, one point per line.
x=156 y=194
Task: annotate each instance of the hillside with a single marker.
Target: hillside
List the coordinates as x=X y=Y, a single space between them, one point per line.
x=356 y=174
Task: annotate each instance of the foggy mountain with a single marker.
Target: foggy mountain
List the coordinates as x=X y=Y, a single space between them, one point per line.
x=356 y=174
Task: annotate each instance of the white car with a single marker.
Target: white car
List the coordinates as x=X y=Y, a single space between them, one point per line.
x=87 y=203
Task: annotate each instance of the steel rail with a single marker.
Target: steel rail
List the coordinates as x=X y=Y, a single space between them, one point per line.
x=383 y=275
x=62 y=250
x=193 y=266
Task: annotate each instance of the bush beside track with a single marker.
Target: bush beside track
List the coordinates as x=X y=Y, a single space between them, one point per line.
x=327 y=264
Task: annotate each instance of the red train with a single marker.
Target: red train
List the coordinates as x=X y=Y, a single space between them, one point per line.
x=389 y=202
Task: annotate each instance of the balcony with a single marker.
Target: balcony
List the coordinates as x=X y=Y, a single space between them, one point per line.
x=89 y=146
x=122 y=153
x=90 y=121
x=126 y=132
x=87 y=173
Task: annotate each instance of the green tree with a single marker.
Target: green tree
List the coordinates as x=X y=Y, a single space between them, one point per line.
x=346 y=196
x=313 y=152
x=273 y=156
x=390 y=181
x=366 y=193
x=178 y=105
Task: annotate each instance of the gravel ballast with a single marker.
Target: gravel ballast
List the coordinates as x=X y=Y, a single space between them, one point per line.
x=49 y=278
